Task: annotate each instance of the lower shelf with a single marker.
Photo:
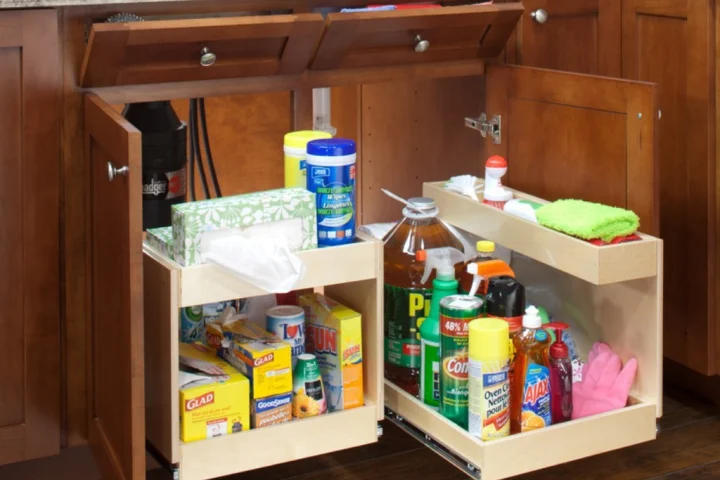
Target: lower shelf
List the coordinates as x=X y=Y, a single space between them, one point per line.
x=529 y=451
x=278 y=444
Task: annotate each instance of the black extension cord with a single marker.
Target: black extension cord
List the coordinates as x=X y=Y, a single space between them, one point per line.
x=197 y=121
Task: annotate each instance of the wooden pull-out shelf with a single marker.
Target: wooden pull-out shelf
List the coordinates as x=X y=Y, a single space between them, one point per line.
x=350 y=274
x=384 y=38
x=597 y=265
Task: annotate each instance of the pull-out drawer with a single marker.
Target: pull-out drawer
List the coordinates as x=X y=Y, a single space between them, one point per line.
x=350 y=274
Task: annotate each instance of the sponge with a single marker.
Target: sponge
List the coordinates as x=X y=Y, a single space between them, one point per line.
x=587 y=220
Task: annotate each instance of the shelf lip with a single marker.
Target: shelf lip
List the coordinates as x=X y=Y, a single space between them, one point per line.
x=278 y=443
x=498 y=459
x=597 y=265
x=201 y=284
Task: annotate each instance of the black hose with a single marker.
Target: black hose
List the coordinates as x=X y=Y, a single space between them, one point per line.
x=208 y=153
x=196 y=146
x=191 y=161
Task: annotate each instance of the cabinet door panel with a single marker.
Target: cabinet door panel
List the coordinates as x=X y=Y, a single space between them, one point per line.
x=29 y=237
x=116 y=372
x=576 y=136
x=578 y=36
x=669 y=42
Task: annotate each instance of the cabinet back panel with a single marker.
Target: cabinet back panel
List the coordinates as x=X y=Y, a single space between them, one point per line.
x=12 y=391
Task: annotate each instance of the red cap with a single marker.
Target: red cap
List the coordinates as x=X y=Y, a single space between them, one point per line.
x=496 y=161
x=558 y=349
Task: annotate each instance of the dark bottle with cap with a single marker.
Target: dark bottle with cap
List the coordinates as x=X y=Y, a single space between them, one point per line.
x=407 y=297
x=505 y=299
x=164 y=157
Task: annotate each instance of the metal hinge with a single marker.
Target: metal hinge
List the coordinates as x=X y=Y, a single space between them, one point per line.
x=485 y=127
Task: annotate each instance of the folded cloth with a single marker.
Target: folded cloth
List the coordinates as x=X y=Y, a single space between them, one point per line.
x=624 y=239
x=587 y=220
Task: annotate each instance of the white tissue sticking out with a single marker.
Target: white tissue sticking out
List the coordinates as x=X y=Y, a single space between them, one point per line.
x=261 y=260
x=464 y=185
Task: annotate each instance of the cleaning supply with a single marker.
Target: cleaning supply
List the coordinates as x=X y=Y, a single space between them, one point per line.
x=505 y=300
x=464 y=185
x=443 y=261
x=331 y=177
x=407 y=297
x=456 y=313
x=588 y=220
x=495 y=194
x=483 y=271
x=530 y=394
x=484 y=251
x=522 y=208
x=605 y=384
x=561 y=399
x=489 y=385
x=295 y=148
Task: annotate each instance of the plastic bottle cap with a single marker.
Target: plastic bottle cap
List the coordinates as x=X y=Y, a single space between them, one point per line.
x=532 y=319
x=485 y=246
x=423 y=203
x=421 y=255
x=496 y=161
x=559 y=348
x=489 y=339
x=331 y=147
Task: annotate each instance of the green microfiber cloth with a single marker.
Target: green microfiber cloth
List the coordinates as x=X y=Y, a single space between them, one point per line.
x=587 y=220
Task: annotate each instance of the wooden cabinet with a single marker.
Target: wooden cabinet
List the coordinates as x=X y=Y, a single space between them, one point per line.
x=29 y=242
x=573 y=35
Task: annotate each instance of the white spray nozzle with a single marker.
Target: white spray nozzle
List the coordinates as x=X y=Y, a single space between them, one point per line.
x=532 y=319
x=442 y=260
x=472 y=269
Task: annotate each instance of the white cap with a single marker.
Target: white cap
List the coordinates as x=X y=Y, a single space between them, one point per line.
x=531 y=319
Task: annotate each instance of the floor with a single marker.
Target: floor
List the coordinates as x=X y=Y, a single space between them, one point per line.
x=688 y=448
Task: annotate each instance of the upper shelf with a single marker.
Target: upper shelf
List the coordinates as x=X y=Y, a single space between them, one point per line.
x=208 y=283
x=265 y=46
x=597 y=265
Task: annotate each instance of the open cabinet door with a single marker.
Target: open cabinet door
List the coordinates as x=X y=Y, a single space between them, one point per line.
x=578 y=136
x=116 y=366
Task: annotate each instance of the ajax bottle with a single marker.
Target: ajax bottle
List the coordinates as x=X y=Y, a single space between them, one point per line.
x=443 y=261
x=407 y=295
x=530 y=396
x=561 y=399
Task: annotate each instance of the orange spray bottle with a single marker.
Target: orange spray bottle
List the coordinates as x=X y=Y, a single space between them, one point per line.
x=530 y=406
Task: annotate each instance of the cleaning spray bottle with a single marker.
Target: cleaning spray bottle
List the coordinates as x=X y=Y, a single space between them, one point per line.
x=443 y=261
x=560 y=376
x=530 y=393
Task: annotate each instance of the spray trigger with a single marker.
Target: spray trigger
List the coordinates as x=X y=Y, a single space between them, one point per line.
x=443 y=260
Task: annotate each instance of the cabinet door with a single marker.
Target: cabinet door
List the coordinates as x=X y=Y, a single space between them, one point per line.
x=29 y=237
x=116 y=370
x=577 y=136
x=573 y=35
x=671 y=43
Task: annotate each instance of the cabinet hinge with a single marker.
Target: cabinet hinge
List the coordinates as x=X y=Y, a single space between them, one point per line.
x=493 y=127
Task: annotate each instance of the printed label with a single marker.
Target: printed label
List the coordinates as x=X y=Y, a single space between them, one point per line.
x=216 y=428
x=334 y=189
x=291 y=332
x=489 y=402
x=430 y=373
x=163 y=185
x=536 y=411
x=454 y=372
x=405 y=310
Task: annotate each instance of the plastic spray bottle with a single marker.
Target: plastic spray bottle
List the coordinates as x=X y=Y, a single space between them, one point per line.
x=443 y=261
x=530 y=392
x=560 y=376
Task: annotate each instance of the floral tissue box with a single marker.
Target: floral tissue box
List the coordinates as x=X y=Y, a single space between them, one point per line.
x=288 y=212
x=160 y=240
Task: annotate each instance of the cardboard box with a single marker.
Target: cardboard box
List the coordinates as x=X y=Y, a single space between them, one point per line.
x=271 y=410
x=289 y=212
x=214 y=397
x=262 y=357
x=160 y=240
x=333 y=333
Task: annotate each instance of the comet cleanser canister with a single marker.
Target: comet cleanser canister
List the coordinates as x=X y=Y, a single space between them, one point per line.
x=456 y=312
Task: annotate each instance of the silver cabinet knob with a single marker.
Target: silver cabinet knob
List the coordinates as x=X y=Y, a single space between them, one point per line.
x=540 y=15
x=420 y=44
x=114 y=172
x=207 y=58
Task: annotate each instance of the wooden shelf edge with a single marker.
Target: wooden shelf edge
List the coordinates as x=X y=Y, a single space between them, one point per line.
x=597 y=265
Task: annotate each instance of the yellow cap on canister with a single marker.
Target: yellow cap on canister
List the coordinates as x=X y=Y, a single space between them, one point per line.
x=489 y=339
x=485 y=246
x=301 y=138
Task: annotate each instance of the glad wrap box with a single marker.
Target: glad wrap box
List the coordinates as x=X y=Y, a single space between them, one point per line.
x=287 y=213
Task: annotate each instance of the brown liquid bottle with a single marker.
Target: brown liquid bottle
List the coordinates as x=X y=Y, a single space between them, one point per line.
x=407 y=300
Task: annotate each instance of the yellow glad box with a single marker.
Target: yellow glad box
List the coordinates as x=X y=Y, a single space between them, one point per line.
x=333 y=333
x=214 y=397
x=263 y=357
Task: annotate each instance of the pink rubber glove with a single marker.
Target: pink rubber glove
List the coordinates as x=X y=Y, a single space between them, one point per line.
x=605 y=383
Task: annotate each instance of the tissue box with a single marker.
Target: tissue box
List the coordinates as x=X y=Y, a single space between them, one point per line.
x=290 y=209
x=214 y=397
x=160 y=240
x=333 y=333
